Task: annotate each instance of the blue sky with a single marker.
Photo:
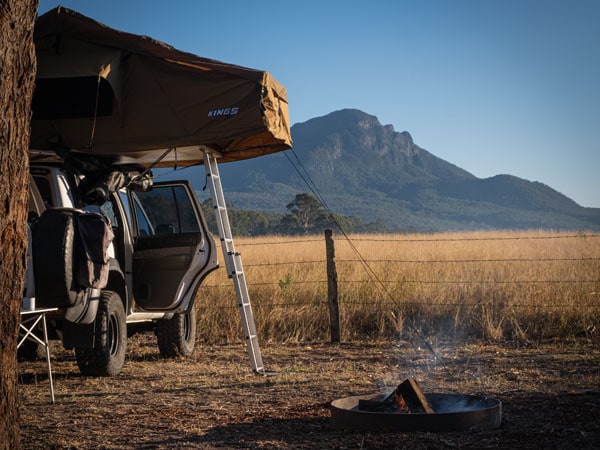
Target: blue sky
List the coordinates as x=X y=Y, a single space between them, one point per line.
x=493 y=86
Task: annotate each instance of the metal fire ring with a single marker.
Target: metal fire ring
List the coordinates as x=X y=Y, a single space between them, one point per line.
x=453 y=412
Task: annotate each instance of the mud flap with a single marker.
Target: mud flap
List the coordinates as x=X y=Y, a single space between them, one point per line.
x=79 y=322
x=84 y=312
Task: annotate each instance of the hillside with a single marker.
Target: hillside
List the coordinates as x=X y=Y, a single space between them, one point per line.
x=371 y=171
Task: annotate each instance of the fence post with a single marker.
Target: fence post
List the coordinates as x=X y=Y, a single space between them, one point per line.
x=332 y=288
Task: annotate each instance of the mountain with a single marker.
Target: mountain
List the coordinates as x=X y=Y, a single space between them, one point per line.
x=368 y=170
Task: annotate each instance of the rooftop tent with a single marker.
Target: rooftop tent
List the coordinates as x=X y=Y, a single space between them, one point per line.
x=107 y=92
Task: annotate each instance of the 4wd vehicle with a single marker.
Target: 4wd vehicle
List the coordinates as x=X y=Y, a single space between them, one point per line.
x=110 y=250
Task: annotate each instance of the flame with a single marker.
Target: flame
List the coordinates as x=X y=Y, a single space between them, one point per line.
x=401 y=406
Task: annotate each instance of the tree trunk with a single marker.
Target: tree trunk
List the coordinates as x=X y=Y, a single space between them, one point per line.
x=17 y=78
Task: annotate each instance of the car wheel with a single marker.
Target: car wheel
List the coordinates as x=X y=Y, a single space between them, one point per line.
x=108 y=355
x=177 y=336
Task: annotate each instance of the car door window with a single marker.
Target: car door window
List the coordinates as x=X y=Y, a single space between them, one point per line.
x=167 y=210
x=187 y=218
x=144 y=226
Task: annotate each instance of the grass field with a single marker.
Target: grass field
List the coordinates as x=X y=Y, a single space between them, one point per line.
x=512 y=316
x=493 y=285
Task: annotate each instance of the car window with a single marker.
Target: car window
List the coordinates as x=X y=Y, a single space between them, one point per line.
x=35 y=203
x=43 y=186
x=187 y=217
x=107 y=210
x=144 y=226
x=125 y=201
x=165 y=210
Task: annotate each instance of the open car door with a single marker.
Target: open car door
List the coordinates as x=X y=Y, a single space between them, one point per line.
x=173 y=251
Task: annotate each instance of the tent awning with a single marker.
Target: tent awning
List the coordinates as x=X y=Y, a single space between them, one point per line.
x=112 y=93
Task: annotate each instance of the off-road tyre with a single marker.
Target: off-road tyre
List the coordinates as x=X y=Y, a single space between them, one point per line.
x=54 y=259
x=108 y=355
x=177 y=336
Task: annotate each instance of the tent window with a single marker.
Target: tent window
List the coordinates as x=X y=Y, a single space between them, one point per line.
x=71 y=98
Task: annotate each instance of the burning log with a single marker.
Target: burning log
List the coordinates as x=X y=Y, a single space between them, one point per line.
x=412 y=394
x=407 y=398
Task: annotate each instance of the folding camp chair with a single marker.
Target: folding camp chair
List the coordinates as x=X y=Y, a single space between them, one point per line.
x=30 y=318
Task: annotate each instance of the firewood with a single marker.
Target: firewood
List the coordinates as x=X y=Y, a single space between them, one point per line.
x=413 y=396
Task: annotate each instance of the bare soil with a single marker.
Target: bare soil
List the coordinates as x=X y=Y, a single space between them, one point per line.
x=550 y=396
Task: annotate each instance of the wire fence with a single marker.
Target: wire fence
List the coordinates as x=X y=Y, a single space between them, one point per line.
x=496 y=281
x=319 y=263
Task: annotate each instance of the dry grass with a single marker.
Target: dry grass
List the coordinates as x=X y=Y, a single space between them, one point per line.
x=213 y=400
x=500 y=285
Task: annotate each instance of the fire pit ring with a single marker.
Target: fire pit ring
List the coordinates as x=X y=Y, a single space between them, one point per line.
x=453 y=412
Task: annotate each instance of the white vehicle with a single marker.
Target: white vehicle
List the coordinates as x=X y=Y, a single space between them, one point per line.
x=149 y=272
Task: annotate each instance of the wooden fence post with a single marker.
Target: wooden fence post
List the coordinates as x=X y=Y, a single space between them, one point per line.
x=332 y=288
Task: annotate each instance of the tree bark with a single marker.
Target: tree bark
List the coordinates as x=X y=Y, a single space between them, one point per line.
x=17 y=78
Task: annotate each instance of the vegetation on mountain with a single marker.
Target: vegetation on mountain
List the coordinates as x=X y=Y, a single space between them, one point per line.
x=374 y=175
x=306 y=216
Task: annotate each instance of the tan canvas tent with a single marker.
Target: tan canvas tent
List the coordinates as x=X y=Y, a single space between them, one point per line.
x=107 y=92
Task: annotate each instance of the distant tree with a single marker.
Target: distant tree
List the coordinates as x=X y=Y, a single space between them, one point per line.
x=243 y=222
x=253 y=223
x=290 y=225
x=17 y=78
x=306 y=211
x=306 y=216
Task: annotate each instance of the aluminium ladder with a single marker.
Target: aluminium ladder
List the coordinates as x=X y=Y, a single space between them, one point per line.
x=233 y=261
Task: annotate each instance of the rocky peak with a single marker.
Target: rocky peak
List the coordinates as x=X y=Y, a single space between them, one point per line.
x=348 y=129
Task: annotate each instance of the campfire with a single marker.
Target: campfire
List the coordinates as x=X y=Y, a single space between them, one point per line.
x=407 y=408
x=407 y=398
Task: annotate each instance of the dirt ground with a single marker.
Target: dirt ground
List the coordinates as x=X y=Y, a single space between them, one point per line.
x=550 y=396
